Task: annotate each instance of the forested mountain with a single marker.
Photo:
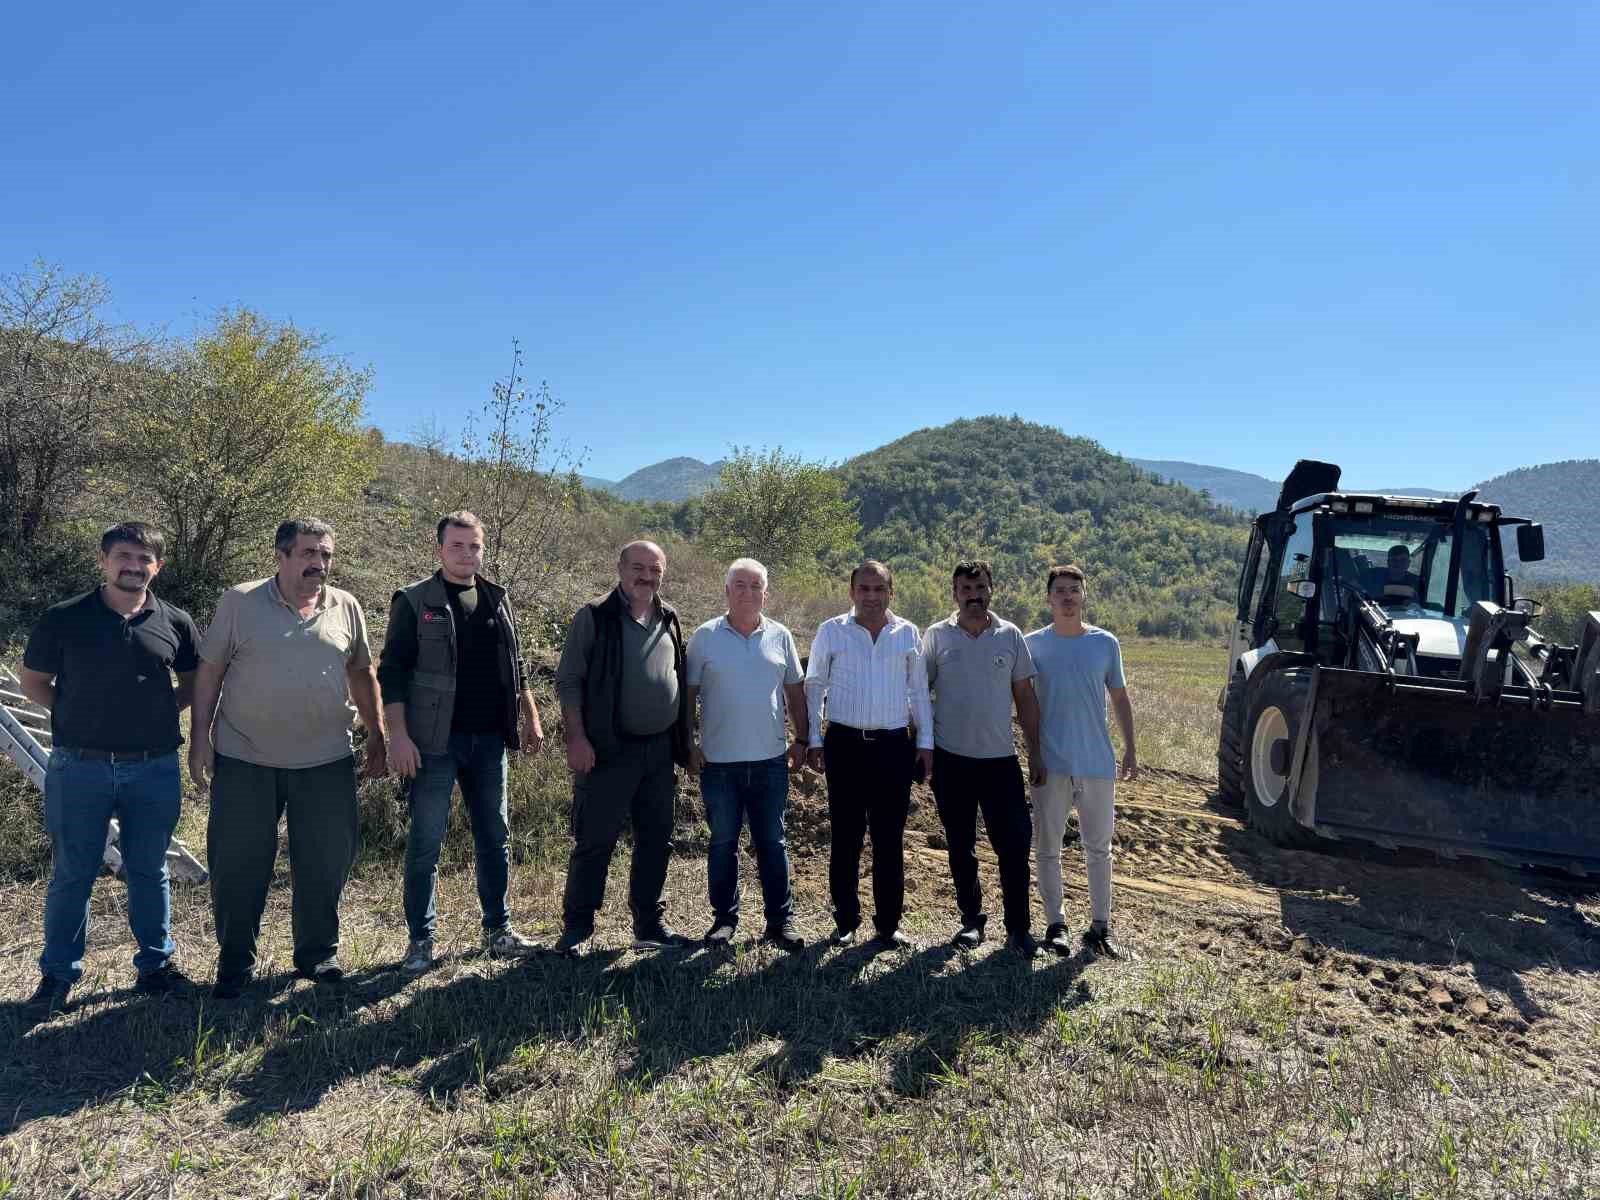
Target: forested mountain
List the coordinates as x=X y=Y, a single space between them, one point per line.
x=670 y=479
x=1561 y=495
x=1161 y=558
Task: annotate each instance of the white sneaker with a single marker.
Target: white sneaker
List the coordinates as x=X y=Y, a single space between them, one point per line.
x=721 y=934
x=419 y=956
x=506 y=942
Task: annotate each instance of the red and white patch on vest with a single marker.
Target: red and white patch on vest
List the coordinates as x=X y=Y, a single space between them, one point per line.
x=433 y=616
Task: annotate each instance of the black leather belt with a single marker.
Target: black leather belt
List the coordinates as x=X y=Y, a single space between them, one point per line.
x=116 y=756
x=870 y=735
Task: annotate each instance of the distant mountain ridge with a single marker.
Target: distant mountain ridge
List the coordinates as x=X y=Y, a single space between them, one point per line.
x=1246 y=492
x=1560 y=495
x=1557 y=494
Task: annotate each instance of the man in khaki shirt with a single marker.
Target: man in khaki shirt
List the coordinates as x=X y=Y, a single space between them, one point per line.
x=288 y=657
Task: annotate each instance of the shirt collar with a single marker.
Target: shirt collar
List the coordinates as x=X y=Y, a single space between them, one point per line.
x=149 y=604
x=724 y=623
x=890 y=618
x=324 y=596
x=994 y=623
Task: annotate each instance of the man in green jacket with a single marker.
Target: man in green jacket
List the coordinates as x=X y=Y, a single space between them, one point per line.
x=625 y=711
x=456 y=699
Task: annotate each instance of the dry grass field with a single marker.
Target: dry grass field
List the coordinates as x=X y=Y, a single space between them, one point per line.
x=1295 y=1024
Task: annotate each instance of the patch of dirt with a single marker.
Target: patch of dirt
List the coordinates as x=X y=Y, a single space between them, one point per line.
x=1400 y=944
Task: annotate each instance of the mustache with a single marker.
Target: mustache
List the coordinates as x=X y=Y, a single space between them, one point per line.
x=310 y=571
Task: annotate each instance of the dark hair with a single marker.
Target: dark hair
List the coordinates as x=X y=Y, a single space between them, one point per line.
x=877 y=568
x=137 y=532
x=971 y=568
x=290 y=531
x=1070 y=571
x=461 y=519
x=1398 y=549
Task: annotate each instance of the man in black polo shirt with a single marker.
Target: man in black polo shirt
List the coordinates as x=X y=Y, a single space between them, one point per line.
x=102 y=663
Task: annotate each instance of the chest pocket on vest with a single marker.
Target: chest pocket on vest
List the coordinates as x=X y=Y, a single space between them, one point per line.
x=428 y=713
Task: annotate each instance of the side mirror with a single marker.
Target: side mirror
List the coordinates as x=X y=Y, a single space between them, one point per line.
x=1303 y=588
x=1528 y=605
x=1530 y=543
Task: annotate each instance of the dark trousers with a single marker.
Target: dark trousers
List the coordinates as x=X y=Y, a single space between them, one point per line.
x=638 y=783
x=869 y=790
x=961 y=787
x=247 y=802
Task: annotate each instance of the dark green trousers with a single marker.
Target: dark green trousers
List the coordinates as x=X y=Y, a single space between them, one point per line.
x=247 y=803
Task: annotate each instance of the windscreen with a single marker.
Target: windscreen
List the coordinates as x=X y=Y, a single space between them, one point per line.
x=1403 y=561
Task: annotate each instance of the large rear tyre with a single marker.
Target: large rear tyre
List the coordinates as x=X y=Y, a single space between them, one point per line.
x=1276 y=710
x=1230 y=745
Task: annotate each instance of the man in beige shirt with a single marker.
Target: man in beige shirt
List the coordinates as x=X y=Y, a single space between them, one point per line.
x=289 y=658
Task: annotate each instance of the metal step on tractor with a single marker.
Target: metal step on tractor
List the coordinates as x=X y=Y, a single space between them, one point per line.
x=1385 y=683
x=25 y=739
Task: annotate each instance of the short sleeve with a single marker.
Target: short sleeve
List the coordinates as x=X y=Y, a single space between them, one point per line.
x=44 y=647
x=791 y=660
x=697 y=658
x=1114 y=676
x=1022 y=665
x=188 y=656
x=360 y=648
x=221 y=639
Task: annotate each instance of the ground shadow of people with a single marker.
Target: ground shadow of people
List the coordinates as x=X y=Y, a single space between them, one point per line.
x=121 y=1040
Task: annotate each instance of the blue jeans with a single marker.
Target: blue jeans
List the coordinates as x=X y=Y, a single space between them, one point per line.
x=478 y=760
x=731 y=790
x=80 y=797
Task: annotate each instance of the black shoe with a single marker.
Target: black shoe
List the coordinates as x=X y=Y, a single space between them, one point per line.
x=843 y=936
x=785 y=937
x=162 y=981
x=659 y=938
x=1055 y=938
x=51 y=994
x=230 y=987
x=971 y=935
x=892 y=939
x=1022 y=942
x=1098 y=942
x=327 y=973
x=572 y=942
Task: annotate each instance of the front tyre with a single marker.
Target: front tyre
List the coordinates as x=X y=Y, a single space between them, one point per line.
x=1230 y=743
x=1276 y=709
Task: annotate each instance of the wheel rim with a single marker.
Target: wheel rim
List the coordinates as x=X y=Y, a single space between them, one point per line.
x=1270 y=785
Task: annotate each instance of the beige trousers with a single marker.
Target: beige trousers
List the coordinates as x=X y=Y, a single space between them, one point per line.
x=1094 y=799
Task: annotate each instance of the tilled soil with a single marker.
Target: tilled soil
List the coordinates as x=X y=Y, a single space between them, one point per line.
x=1397 y=945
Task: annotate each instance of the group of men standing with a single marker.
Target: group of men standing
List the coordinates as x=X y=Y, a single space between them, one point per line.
x=286 y=666
x=877 y=707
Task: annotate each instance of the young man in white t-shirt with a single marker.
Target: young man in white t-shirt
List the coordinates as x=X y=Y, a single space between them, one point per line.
x=1078 y=666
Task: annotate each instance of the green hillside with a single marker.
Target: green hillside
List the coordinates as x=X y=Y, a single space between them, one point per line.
x=1562 y=496
x=1161 y=558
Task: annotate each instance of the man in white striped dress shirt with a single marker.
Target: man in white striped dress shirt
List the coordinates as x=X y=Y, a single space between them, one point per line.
x=866 y=673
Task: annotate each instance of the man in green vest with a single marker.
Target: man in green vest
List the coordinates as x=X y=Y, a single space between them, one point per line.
x=624 y=706
x=456 y=699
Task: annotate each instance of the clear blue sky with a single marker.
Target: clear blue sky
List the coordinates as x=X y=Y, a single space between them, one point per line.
x=1234 y=233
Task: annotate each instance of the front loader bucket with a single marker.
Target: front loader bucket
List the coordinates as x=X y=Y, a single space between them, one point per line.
x=1420 y=762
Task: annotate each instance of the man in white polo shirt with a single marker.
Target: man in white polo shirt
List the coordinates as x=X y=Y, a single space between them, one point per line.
x=744 y=670
x=978 y=667
x=866 y=674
